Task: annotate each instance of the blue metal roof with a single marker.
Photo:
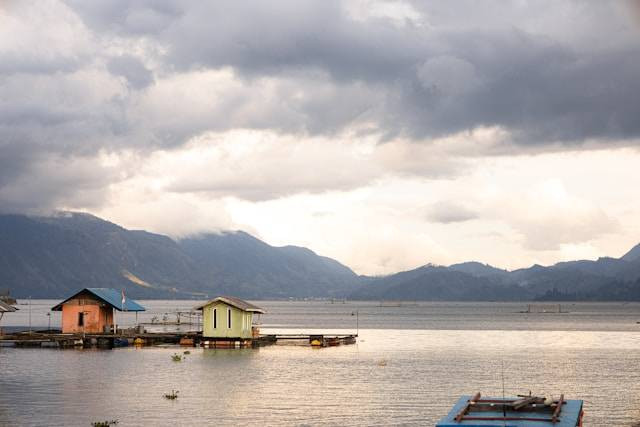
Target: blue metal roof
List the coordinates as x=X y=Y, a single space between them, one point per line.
x=569 y=416
x=114 y=298
x=110 y=296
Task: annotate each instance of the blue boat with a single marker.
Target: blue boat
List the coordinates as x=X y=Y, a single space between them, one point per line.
x=522 y=411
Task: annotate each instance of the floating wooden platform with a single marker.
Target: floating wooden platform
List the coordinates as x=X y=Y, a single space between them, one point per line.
x=314 y=340
x=521 y=411
x=59 y=340
x=187 y=339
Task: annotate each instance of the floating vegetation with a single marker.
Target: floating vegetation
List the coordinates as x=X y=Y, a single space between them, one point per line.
x=104 y=423
x=173 y=395
x=187 y=352
x=176 y=357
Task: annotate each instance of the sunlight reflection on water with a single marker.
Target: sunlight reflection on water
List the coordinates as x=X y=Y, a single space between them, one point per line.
x=425 y=372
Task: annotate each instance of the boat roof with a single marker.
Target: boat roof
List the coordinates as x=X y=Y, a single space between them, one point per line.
x=234 y=302
x=480 y=413
x=6 y=308
x=109 y=296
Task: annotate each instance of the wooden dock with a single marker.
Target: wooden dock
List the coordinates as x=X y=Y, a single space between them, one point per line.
x=59 y=340
x=185 y=339
x=314 y=340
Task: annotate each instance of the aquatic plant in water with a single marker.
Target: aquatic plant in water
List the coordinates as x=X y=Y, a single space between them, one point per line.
x=104 y=423
x=173 y=395
x=176 y=357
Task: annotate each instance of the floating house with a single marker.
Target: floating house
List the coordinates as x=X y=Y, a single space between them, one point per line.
x=228 y=318
x=522 y=411
x=91 y=310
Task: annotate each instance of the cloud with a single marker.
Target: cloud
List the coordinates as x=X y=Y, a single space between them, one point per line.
x=55 y=182
x=259 y=166
x=181 y=106
x=447 y=212
x=132 y=69
x=439 y=73
x=547 y=216
x=81 y=77
x=42 y=38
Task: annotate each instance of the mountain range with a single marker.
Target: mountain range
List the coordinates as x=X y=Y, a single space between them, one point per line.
x=50 y=257
x=53 y=256
x=606 y=279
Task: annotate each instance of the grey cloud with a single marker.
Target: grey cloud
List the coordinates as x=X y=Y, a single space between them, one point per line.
x=495 y=65
x=45 y=123
x=11 y=63
x=447 y=212
x=131 y=68
x=540 y=91
x=41 y=39
x=47 y=182
x=139 y=18
x=435 y=78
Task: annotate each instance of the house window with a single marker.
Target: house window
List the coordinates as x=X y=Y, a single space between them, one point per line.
x=229 y=318
x=80 y=319
x=215 y=318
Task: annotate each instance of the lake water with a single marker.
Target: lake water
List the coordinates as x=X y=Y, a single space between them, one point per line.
x=410 y=365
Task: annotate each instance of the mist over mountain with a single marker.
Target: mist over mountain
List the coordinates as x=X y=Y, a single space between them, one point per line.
x=242 y=265
x=51 y=257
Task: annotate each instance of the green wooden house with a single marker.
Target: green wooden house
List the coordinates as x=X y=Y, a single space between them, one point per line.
x=228 y=317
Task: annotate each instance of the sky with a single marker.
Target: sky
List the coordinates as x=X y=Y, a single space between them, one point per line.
x=384 y=134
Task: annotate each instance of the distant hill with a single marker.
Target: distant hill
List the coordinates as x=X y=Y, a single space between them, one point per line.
x=435 y=283
x=633 y=254
x=604 y=279
x=51 y=257
x=479 y=270
x=243 y=265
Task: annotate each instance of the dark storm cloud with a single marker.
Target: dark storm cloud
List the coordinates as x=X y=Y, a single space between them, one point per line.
x=540 y=91
x=43 y=183
x=80 y=78
x=436 y=80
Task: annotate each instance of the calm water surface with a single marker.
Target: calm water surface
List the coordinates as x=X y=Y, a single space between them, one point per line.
x=432 y=353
